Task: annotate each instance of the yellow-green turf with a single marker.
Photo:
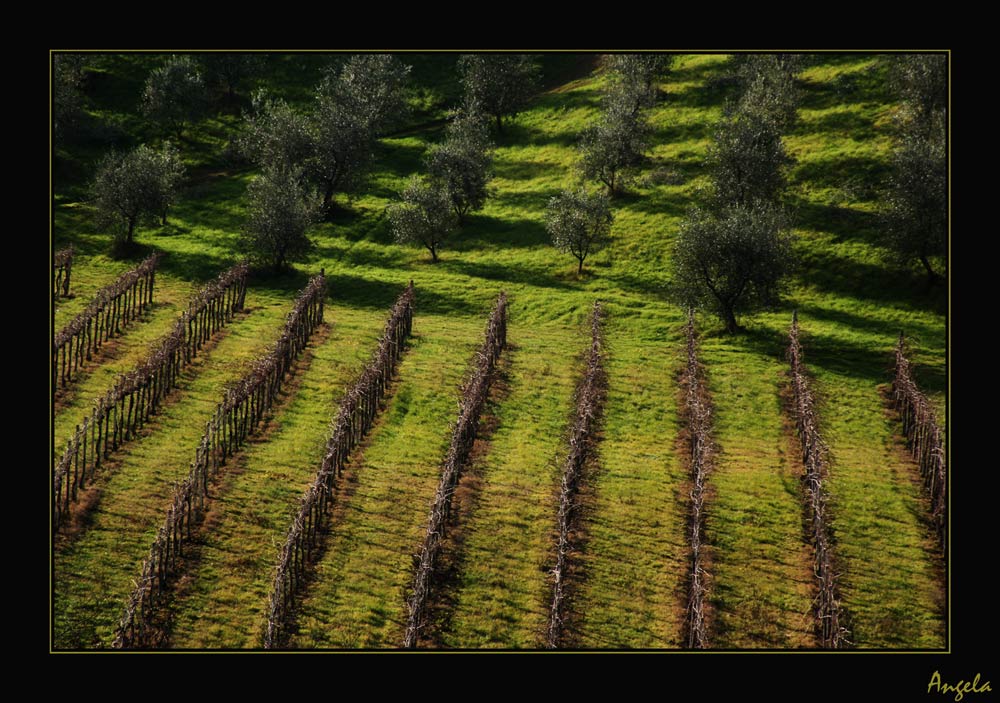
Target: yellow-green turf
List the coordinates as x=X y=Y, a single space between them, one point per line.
x=222 y=603
x=852 y=301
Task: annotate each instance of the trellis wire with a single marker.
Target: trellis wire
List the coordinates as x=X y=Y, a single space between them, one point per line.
x=107 y=315
x=923 y=436
x=62 y=266
x=829 y=613
x=698 y=412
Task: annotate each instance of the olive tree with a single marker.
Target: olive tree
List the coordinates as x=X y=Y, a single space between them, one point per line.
x=498 y=84
x=67 y=96
x=767 y=88
x=275 y=135
x=579 y=223
x=169 y=171
x=731 y=262
x=175 y=94
x=132 y=188
x=917 y=217
x=369 y=87
x=613 y=149
x=462 y=163
x=424 y=216
x=279 y=212
x=353 y=107
x=633 y=77
x=917 y=200
x=747 y=161
x=920 y=81
x=231 y=69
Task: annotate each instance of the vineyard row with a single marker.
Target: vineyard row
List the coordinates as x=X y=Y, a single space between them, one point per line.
x=108 y=313
x=62 y=266
x=589 y=404
x=123 y=410
x=463 y=436
x=698 y=412
x=235 y=419
x=832 y=632
x=924 y=436
x=355 y=418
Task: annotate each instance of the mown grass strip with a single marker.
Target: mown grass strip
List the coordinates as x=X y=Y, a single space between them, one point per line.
x=357 y=597
x=136 y=396
x=93 y=574
x=762 y=575
x=590 y=396
x=499 y=598
x=236 y=418
x=223 y=604
x=107 y=315
x=474 y=394
x=358 y=411
x=636 y=556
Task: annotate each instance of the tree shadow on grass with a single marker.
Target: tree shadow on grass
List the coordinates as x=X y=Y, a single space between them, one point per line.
x=508 y=273
x=820 y=350
x=200 y=266
x=868 y=85
x=842 y=221
x=520 y=135
x=830 y=273
x=837 y=171
x=524 y=170
x=680 y=133
x=710 y=93
x=401 y=159
x=889 y=329
x=848 y=123
x=375 y=257
x=674 y=204
x=373 y=294
x=487 y=232
x=534 y=200
x=657 y=290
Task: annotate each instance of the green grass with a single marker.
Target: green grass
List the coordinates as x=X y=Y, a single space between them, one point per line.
x=635 y=557
x=223 y=602
x=852 y=303
x=503 y=588
x=761 y=571
x=119 y=355
x=357 y=599
x=94 y=572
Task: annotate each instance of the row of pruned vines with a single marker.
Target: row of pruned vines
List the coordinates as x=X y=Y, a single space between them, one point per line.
x=474 y=395
x=923 y=436
x=236 y=418
x=355 y=418
x=123 y=410
x=111 y=310
x=830 y=616
x=698 y=417
x=590 y=397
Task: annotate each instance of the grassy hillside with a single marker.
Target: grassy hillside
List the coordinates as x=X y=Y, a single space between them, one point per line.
x=851 y=305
